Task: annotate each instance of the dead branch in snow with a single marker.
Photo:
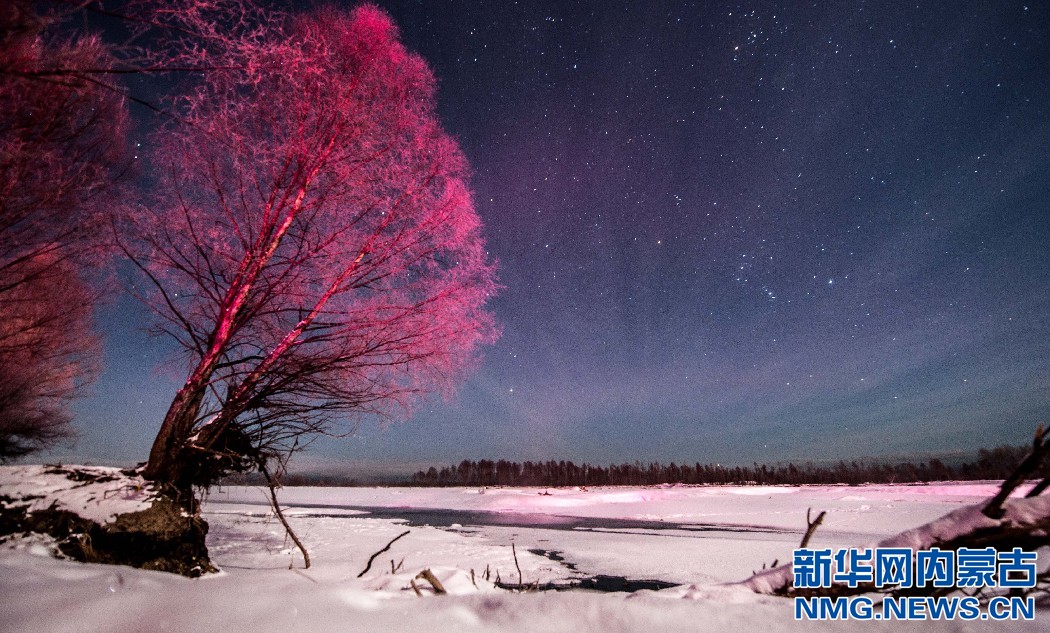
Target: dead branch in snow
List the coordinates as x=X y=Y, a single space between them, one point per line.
x=272 y=485
x=1040 y=447
x=514 y=551
x=811 y=527
x=429 y=576
x=1039 y=488
x=369 y=565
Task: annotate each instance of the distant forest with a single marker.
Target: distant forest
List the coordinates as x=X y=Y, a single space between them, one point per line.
x=994 y=463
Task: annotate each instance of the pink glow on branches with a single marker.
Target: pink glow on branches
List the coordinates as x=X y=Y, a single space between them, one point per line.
x=61 y=158
x=313 y=244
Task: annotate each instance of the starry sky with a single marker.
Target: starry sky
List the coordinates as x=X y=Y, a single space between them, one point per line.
x=727 y=232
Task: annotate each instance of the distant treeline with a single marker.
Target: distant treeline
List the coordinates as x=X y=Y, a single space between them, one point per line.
x=994 y=463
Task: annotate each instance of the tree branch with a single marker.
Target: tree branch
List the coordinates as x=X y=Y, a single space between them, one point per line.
x=280 y=515
x=392 y=541
x=429 y=576
x=994 y=508
x=811 y=527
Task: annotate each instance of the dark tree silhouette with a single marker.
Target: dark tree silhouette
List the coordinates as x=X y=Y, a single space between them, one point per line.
x=996 y=463
x=312 y=245
x=61 y=154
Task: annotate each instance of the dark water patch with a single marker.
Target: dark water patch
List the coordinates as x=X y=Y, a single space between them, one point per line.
x=447 y=518
x=620 y=584
x=601 y=582
x=555 y=556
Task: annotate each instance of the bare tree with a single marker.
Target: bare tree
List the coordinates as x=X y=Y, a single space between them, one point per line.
x=61 y=155
x=47 y=353
x=312 y=245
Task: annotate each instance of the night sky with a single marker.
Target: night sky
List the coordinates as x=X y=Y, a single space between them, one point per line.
x=726 y=233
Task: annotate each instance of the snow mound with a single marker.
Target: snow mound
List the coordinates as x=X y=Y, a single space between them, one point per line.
x=455 y=581
x=96 y=493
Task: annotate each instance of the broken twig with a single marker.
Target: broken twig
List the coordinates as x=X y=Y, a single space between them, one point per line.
x=1040 y=447
x=369 y=565
x=1039 y=488
x=515 y=552
x=811 y=527
x=280 y=515
x=429 y=576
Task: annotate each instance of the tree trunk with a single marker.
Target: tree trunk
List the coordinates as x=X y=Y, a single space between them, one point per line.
x=164 y=463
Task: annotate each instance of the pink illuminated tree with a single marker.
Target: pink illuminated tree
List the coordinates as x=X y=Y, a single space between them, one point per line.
x=61 y=157
x=312 y=245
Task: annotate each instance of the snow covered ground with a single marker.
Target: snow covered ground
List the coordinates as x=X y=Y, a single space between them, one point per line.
x=99 y=495
x=700 y=538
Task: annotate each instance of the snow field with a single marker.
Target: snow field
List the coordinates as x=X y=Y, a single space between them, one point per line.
x=717 y=535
